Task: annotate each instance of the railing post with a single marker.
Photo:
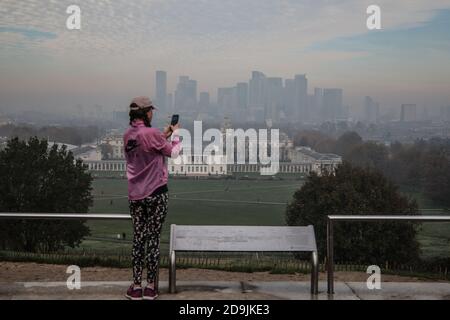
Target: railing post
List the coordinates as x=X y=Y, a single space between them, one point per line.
x=330 y=256
x=172 y=272
x=314 y=273
x=157 y=276
x=172 y=261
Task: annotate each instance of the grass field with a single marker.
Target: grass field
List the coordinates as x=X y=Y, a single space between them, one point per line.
x=229 y=202
x=233 y=202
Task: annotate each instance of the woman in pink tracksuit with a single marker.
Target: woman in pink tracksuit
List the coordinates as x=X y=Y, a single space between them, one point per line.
x=146 y=149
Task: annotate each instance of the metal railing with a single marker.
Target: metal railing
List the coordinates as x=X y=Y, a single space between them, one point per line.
x=62 y=216
x=70 y=216
x=330 y=222
x=364 y=218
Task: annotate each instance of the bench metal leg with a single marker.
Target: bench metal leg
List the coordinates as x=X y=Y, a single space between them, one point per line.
x=314 y=273
x=330 y=257
x=172 y=273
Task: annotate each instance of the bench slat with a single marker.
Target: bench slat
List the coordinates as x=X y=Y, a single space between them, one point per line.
x=243 y=238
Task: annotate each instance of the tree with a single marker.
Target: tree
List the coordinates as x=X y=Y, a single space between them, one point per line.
x=353 y=190
x=347 y=142
x=406 y=166
x=436 y=169
x=69 y=135
x=368 y=154
x=309 y=138
x=38 y=179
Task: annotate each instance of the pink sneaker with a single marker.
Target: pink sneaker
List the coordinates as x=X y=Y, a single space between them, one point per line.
x=149 y=294
x=134 y=294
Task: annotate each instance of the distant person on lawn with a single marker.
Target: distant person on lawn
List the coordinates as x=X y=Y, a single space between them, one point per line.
x=146 y=149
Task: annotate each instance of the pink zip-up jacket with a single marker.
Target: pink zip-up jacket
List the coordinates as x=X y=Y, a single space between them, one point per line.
x=146 y=150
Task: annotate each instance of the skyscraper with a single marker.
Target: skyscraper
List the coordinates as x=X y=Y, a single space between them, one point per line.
x=273 y=98
x=242 y=95
x=300 y=112
x=310 y=108
x=289 y=98
x=408 y=113
x=333 y=108
x=371 y=110
x=445 y=113
x=161 y=90
x=225 y=100
x=317 y=106
x=180 y=92
x=256 y=95
x=186 y=95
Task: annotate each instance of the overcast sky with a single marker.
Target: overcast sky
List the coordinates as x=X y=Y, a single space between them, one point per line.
x=122 y=43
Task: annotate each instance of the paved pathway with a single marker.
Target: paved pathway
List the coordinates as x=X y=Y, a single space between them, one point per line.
x=234 y=290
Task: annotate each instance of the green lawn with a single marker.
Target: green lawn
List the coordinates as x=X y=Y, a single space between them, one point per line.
x=228 y=202
x=433 y=237
x=423 y=201
x=232 y=202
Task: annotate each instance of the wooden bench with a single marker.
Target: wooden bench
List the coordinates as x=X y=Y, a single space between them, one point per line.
x=242 y=239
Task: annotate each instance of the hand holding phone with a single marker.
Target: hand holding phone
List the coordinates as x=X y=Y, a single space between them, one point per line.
x=173 y=123
x=175 y=119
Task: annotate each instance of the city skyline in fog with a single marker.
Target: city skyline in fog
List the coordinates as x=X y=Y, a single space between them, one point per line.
x=120 y=46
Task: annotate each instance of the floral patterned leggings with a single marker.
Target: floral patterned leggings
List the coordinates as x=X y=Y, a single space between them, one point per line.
x=148 y=217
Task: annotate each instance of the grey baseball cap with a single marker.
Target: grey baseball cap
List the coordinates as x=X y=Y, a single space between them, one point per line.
x=142 y=103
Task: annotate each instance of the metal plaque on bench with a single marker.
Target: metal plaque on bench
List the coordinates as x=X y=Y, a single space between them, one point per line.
x=242 y=238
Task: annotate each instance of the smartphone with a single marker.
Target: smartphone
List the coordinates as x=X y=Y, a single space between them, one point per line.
x=174 y=120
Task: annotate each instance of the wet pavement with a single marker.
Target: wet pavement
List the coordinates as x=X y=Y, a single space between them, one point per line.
x=229 y=290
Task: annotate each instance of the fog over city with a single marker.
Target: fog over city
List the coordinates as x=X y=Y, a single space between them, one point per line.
x=46 y=67
x=248 y=147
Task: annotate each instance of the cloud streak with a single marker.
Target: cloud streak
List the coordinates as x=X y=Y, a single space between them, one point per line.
x=111 y=27
x=30 y=34
x=216 y=41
